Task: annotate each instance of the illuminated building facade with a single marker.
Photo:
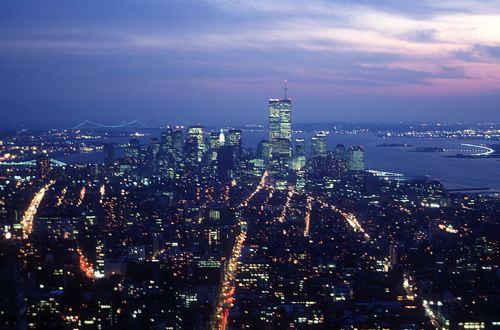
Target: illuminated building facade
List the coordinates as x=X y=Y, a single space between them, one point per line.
x=195 y=137
x=300 y=147
x=319 y=145
x=234 y=138
x=280 y=127
x=213 y=145
x=356 y=159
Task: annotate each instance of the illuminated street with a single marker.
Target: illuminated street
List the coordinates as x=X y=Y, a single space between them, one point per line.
x=286 y=206
x=350 y=218
x=81 y=196
x=307 y=216
x=60 y=198
x=31 y=211
x=225 y=299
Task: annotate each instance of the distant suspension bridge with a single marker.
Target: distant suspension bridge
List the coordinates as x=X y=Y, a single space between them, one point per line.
x=87 y=124
x=53 y=162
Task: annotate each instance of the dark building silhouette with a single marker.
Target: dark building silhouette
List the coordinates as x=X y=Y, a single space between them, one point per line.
x=225 y=162
x=12 y=306
x=109 y=153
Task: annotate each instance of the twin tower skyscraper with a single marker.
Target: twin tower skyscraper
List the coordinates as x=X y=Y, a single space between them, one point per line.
x=280 y=128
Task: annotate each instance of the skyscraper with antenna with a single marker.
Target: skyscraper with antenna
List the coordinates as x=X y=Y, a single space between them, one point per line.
x=280 y=126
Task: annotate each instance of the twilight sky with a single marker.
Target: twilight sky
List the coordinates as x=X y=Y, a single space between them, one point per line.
x=219 y=61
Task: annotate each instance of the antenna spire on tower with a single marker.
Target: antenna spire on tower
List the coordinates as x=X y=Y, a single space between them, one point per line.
x=285 y=83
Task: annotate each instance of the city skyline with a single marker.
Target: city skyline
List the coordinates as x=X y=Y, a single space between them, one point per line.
x=191 y=229
x=249 y=164
x=219 y=60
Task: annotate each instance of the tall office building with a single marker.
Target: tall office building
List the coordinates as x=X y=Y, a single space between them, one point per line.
x=153 y=151
x=213 y=145
x=340 y=152
x=178 y=140
x=109 y=153
x=263 y=150
x=340 y=160
x=222 y=138
x=355 y=160
x=167 y=137
x=299 y=159
x=168 y=150
x=225 y=162
x=300 y=147
x=195 y=136
x=280 y=127
x=234 y=140
x=318 y=144
x=132 y=151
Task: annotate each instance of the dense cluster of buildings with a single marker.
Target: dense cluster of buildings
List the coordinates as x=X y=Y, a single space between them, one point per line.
x=194 y=230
